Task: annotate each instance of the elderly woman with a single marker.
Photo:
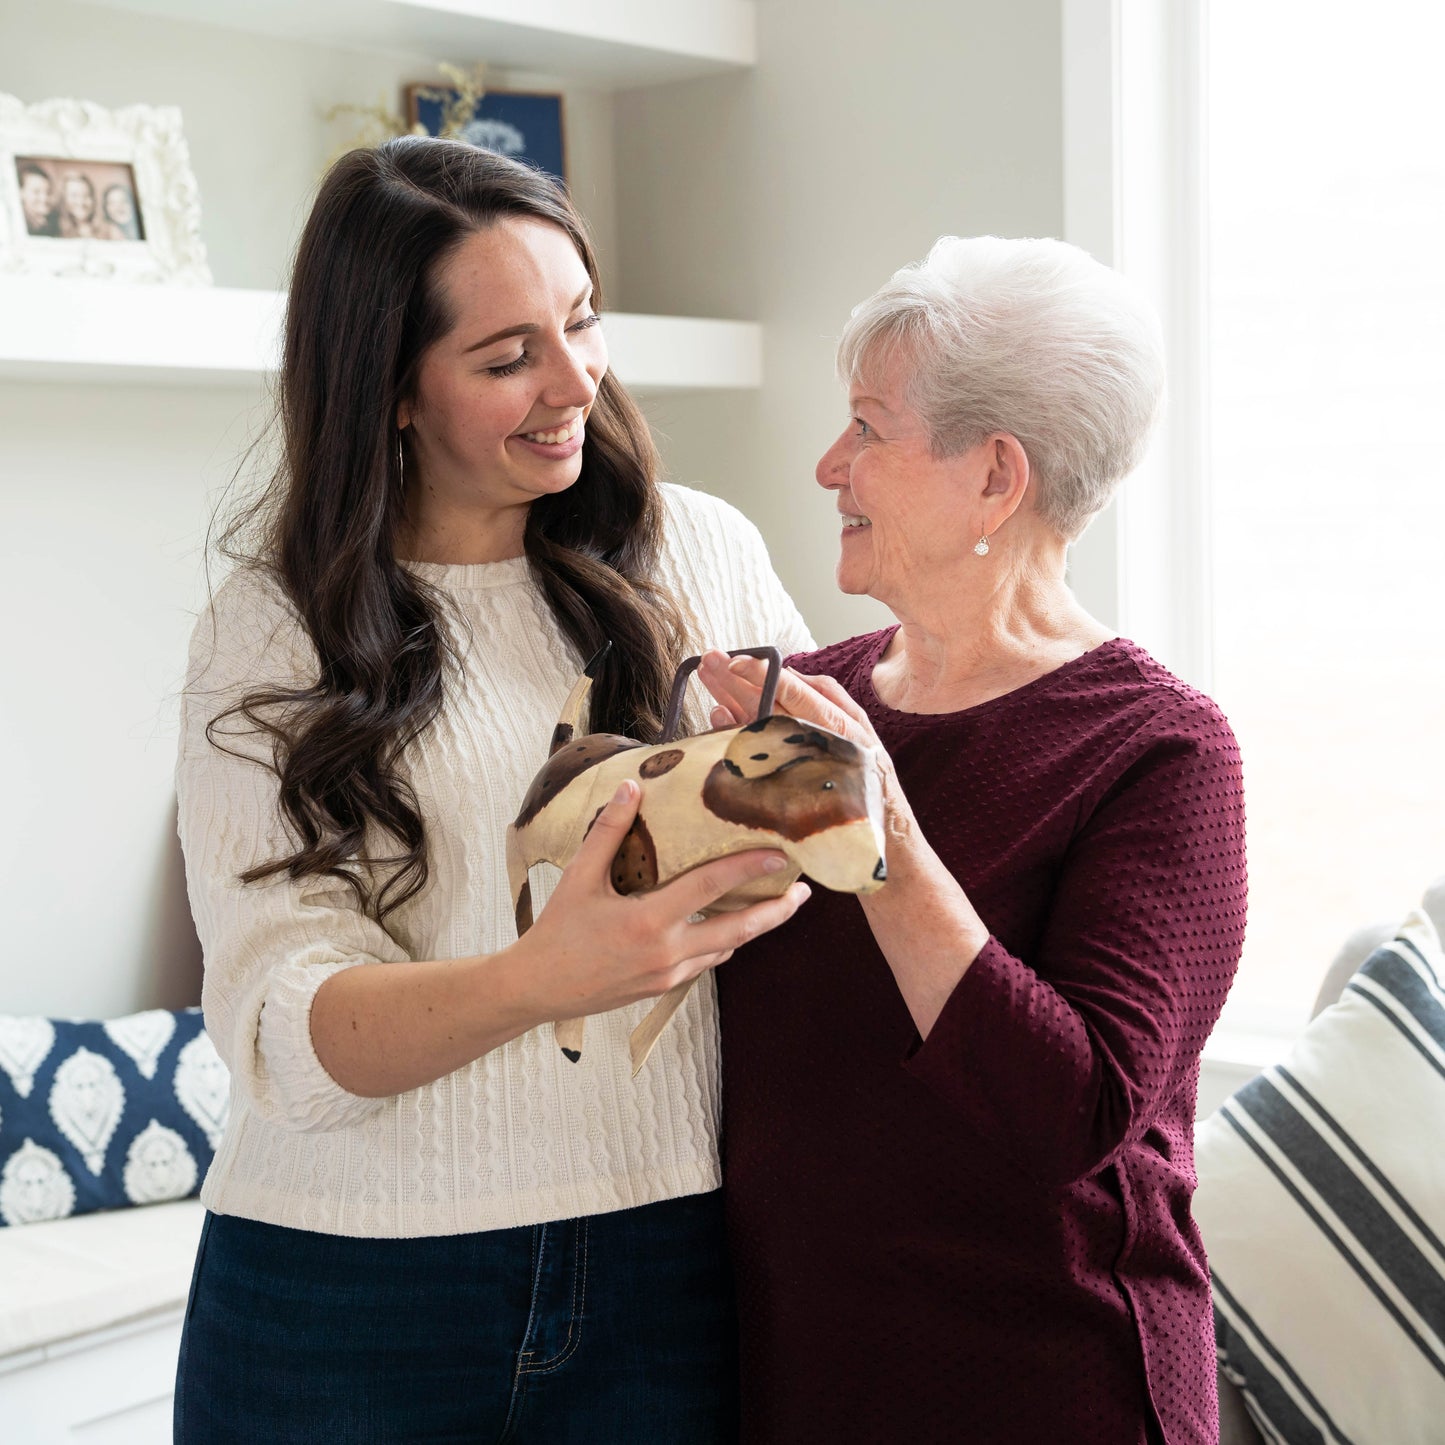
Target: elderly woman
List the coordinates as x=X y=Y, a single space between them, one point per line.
x=958 y=1126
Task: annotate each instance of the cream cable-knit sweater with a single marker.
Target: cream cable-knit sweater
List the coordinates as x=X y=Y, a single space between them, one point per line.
x=520 y=1136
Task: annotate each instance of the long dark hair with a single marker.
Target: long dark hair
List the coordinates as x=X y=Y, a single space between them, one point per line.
x=365 y=304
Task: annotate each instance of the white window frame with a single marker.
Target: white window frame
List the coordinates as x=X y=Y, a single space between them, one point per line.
x=1135 y=197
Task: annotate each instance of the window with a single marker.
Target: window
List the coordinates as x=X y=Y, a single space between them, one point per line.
x=1274 y=176
x=1325 y=225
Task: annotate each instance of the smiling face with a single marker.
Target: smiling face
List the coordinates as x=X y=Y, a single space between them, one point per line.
x=35 y=198
x=906 y=513
x=78 y=198
x=502 y=398
x=118 y=207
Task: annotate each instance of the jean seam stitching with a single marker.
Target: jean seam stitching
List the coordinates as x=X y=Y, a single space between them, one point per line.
x=579 y=1301
x=519 y=1377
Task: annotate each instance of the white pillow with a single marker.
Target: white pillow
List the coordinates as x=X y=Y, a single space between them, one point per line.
x=1321 y=1201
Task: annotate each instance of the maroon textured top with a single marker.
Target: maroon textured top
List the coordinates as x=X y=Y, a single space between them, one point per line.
x=986 y=1236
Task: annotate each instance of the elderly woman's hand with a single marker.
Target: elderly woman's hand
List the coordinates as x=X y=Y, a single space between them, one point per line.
x=923 y=915
x=737 y=686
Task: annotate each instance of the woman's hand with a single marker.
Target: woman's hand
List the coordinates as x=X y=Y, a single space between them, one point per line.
x=597 y=950
x=384 y=1028
x=737 y=687
x=923 y=922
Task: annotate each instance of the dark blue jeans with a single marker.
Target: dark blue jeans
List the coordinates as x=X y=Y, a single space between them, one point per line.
x=616 y=1327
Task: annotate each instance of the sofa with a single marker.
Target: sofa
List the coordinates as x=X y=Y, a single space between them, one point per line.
x=1322 y=1208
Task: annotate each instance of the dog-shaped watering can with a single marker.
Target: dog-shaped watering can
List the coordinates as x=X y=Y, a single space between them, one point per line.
x=774 y=783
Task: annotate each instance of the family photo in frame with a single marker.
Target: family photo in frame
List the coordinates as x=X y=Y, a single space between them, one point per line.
x=78 y=200
x=91 y=192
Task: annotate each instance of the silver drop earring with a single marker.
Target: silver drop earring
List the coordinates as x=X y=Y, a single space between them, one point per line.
x=980 y=548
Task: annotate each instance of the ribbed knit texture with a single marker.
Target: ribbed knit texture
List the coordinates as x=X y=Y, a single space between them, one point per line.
x=986 y=1236
x=521 y=1136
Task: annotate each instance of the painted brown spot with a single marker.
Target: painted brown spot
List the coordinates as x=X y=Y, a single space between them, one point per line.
x=568 y=762
x=817 y=783
x=634 y=869
x=792 y=802
x=561 y=736
x=523 y=912
x=660 y=763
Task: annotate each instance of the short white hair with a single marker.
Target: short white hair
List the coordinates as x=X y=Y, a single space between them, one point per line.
x=1030 y=337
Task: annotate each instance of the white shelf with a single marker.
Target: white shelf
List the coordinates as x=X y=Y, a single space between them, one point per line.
x=612 y=43
x=96 y=331
x=93 y=331
x=657 y=354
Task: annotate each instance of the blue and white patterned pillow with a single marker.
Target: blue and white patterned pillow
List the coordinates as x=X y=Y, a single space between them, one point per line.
x=105 y=1114
x=1322 y=1205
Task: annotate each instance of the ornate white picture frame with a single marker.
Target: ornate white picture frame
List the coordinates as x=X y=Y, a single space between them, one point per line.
x=90 y=192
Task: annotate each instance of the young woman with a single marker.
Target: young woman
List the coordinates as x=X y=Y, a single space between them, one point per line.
x=79 y=214
x=425 y=1223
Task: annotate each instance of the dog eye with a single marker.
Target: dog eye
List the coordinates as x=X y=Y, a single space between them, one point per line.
x=827 y=787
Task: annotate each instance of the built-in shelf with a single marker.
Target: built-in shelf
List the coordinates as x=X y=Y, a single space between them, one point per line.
x=87 y=331
x=76 y=330
x=610 y=43
x=656 y=354
x=93 y=331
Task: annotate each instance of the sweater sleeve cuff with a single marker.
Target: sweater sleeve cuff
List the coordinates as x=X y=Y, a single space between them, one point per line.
x=310 y=1099
x=1010 y=1057
x=932 y=1060
x=973 y=1037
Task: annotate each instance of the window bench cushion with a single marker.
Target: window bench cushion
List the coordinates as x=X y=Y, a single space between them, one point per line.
x=71 y=1276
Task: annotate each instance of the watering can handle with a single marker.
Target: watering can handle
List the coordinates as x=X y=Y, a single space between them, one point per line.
x=770 y=655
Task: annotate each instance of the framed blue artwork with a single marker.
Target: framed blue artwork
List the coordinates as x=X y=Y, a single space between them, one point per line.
x=522 y=124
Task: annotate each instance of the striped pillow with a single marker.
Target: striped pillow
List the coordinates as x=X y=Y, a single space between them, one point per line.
x=1322 y=1205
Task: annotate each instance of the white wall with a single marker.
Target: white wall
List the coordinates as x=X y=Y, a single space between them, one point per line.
x=106 y=494
x=867 y=131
